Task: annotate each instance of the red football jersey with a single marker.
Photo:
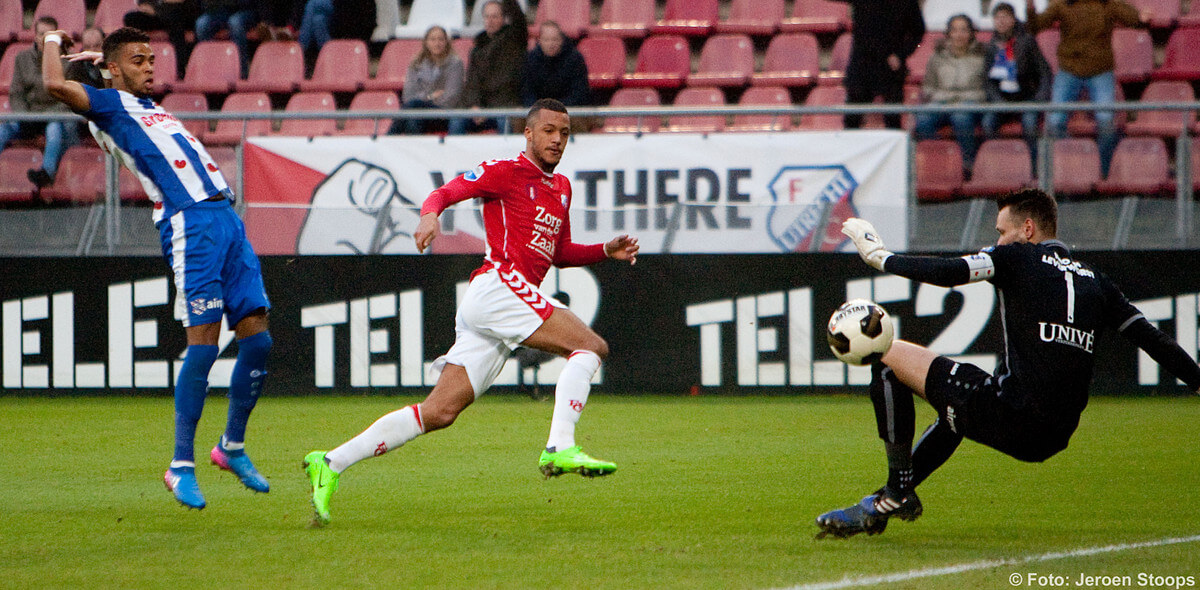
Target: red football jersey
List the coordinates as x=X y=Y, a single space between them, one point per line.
x=525 y=217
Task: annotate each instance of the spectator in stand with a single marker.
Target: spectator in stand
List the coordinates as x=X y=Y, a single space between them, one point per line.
x=1085 y=60
x=494 y=75
x=555 y=69
x=955 y=76
x=434 y=81
x=886 y=32
x=1017 y=72
x=314 y=26
x=85 y=71
x=352 y=19
x=145 y=17
x=179 y=18
x=26 y=95
x=239 y=16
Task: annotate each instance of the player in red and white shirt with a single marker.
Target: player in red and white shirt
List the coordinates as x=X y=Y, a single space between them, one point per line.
x=526 y=220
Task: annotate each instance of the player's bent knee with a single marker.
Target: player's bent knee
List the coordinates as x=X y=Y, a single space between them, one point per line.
x=600 y=347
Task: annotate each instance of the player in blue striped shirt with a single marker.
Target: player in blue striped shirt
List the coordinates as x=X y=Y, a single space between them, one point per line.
x=215 y=270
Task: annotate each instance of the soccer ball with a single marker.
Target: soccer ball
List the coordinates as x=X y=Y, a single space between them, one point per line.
x=860 y=332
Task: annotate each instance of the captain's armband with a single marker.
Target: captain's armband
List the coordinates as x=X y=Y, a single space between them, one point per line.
x=980 y=267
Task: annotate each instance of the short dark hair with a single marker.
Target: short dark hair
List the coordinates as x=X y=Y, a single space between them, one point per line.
x=46 y=20
x=548 y=104
x=120 y=37
x=1033 y=204
x=1006 y=7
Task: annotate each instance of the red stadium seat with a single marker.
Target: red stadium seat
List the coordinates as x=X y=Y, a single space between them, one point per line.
x=214 y=67
x=817 y=16
x=1192 y=18
x=824 y=96
x=605 y=59
x=12 y=21
x=226 y=159
x=1140 y=166
x=624 y=18
x=697 y=97
x=277 y=67
x=1076 y=166
x=792 y=59
x=633 y=97
x=14 y=183
x=1048 y=42
x=920 y=58
x=1182 y=60
x=70 y=14
x=80 y=177
x=129 y=188
x=110 y=14
x=8 y=65
x=663 y=61
x=839 y=57
x=371 y=100
x=1164 y=14
x=229 y=131
x=752 y=17
x=303 y=102
x=939 y=170
x=342 y=66
x=184 y=102
x=1083 y=123
x=763 y=96
x=692 y=18
x=393 y=64
x=1133 y=51
x=1001 y=166
x=1164 y=123
x=725 y=60
x=572 y=16
x=166 y=74
x=462 y=48
x=1196 y=164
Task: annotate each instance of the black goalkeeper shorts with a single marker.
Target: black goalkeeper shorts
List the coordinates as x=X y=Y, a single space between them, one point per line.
x=970 y=402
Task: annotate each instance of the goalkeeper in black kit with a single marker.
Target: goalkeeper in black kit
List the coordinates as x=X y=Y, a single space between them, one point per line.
x=1052 y=309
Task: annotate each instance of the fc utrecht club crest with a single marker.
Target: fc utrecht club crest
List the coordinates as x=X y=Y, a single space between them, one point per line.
x=801 y=195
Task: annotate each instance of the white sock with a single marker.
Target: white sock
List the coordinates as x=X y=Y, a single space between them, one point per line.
x=387 y=433
x=570 y=395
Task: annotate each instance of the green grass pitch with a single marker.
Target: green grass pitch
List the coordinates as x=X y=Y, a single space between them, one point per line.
x=711 y=493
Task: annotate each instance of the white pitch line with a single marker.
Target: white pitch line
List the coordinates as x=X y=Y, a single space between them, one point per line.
x=858 y=581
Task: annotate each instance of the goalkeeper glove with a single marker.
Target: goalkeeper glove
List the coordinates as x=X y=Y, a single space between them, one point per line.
x=866 y=239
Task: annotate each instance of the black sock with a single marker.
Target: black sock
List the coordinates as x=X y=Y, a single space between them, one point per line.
x=895 y=415
x=934 y=448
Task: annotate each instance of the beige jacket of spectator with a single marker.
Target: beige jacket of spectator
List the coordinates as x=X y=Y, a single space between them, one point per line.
x=952 y=79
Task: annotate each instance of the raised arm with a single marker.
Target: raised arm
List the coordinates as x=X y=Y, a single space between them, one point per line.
x=69 y=92
x=944 y=272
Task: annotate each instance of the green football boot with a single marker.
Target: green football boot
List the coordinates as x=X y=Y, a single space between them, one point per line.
x=324 y=484
x=573 y=460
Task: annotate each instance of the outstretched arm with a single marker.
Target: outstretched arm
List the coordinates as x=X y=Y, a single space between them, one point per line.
x=1163 y=349
x=945 y=272
x=67 y=91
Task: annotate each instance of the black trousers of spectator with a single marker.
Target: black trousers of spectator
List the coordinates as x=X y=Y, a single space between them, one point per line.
x=867 y=79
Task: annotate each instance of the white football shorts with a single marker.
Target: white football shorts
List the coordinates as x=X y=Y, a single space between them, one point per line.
x=499 y=310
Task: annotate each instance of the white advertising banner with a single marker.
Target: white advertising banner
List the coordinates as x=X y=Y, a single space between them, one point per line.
x=723 y=193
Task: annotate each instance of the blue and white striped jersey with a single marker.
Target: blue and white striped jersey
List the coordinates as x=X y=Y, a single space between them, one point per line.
x=174 y=169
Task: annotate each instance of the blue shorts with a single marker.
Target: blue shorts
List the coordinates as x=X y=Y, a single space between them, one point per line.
x=215 y=270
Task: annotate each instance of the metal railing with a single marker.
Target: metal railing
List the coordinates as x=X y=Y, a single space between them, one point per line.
x=1184 y=197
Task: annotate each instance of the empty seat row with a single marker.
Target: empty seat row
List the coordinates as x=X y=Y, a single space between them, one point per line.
x=81 y=176
x=1140 y=165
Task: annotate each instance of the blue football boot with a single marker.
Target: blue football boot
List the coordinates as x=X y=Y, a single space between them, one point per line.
x=238 y=462
x=181 y=481
x=870 y=515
